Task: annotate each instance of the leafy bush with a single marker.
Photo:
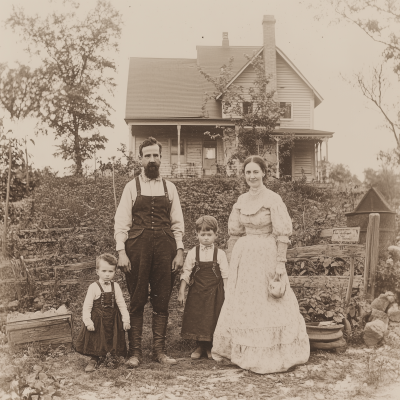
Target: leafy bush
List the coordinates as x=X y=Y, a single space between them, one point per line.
x=388 y=277
x=322 y=304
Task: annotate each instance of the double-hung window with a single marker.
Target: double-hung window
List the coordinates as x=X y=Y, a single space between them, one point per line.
x=287 y=108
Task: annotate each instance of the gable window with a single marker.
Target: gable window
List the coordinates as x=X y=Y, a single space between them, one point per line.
x=287 y=108
x=247 y=107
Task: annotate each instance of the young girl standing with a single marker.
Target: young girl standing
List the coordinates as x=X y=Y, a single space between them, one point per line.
x=206 y=272
x=105 y=316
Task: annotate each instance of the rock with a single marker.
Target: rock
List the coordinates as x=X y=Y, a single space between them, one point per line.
x=37 y=368
x=309 y=383
x=319 y=396
x=383 y=301
x=394 y=312
x=377 y=314
x=13 y=304
x=365 y=311
x=249 y=388
x=373 y=332
x=155 y=396
x=42 y=376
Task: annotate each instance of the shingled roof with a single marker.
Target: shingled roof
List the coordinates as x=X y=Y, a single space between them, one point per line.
x=173 y=87
x=160 y=88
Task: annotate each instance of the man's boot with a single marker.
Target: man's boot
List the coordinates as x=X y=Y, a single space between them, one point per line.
x=159 y=334
x=135 y=342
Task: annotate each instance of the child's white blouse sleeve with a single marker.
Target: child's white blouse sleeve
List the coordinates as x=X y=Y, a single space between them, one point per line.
x=223 y=264
x=88 y=305
x=119 y=299
x=189 y=264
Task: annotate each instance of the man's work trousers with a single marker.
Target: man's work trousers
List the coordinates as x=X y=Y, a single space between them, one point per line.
x=151 y=253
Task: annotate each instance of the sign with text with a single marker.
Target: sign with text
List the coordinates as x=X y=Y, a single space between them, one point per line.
x=345 y=235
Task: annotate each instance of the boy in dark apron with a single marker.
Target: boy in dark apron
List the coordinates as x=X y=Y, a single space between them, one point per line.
x=205 y=271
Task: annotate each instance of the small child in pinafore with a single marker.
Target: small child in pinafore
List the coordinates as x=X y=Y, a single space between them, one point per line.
x=206 y=272
x=105 y=316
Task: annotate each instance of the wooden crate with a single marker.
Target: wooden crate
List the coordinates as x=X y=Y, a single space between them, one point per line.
x=51 y=330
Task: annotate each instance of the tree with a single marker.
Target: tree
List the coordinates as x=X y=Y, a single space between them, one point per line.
x=20 y=91
x=254 y=110
x=387 y=178
x=380 y=20
x=78 y=73
x=342 y=175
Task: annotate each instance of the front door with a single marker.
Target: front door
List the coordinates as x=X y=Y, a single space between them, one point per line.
x=210 y=157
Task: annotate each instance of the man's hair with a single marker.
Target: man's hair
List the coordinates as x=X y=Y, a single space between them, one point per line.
x=207 y=223
x=109 y=258
x=150 y=141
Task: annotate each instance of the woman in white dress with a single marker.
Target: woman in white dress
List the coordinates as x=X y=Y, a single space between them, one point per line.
x=256 y=330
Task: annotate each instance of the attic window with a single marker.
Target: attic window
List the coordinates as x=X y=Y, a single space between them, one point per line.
x=287 y=108
x=247 y=107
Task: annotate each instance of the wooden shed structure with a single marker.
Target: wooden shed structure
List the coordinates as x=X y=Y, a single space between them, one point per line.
x=374 y=202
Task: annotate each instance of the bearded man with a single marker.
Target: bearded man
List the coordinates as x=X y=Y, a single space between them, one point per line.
x=148 y=232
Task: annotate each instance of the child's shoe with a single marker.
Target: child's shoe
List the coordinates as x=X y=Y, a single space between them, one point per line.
x=91 y=366
x=197 y=353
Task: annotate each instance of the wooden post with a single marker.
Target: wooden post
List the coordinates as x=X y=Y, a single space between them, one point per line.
x=277 y=158
x=115 y=196
x=27 y=166
x=7 y=201
x=371 y=255
x=350 y=286
x=179 y=149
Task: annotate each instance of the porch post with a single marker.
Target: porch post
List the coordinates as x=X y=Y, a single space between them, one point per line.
x=320 y=161
x=277 y=158
x=131 y=141
x=326 y=149
x=316 y=160
x=179 y=149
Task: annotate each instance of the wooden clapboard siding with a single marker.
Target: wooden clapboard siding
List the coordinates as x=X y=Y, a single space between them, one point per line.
x=303 y=158
x=220 y=151
x=291 y=88
x=246 y=80
x=194 y=148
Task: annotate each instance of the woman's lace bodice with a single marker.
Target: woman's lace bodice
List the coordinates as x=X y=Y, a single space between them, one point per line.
x=260 y=214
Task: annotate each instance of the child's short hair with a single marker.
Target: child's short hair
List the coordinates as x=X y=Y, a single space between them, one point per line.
x=107 y=257
x=207 y=223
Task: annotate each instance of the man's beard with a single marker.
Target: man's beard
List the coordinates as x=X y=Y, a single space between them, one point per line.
x=152 y=170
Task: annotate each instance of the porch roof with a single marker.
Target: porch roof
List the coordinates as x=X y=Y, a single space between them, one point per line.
x=304 y=133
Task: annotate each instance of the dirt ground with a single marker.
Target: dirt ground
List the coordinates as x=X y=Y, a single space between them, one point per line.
x=359 y=373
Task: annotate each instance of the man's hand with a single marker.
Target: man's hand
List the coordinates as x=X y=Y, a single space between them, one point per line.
x=177 y=263
x=127 y=326
x=181 y=297
x=123 y=261
x=90 y=328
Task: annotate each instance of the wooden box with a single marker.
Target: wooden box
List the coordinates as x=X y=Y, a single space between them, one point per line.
x=49 y=330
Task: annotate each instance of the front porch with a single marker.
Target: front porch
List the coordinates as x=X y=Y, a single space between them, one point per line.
x=188 y=153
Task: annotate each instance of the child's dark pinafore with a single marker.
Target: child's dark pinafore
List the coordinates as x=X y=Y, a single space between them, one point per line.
x=204 y=300
x=108 y=335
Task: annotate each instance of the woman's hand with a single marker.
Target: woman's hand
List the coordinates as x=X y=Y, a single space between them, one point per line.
x=127 y=326
x=280 y=269
x=90 y=328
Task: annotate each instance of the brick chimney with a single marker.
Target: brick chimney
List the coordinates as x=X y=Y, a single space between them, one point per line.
x=269 y=50
x=225 y=40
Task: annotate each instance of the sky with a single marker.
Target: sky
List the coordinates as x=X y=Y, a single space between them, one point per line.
x=327 y=54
